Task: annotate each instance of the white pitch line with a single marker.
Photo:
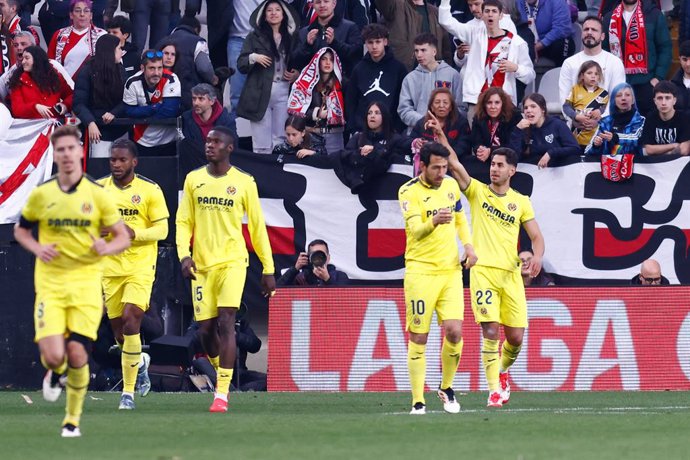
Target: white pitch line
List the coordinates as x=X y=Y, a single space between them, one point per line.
x=586 y=410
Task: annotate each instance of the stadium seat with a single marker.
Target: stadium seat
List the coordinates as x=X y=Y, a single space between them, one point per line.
x=577 y=36
x=548 y=87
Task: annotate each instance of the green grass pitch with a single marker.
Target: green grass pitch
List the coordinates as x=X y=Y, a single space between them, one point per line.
x=615 y=425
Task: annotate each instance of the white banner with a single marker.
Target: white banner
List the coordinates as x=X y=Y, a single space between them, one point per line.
x=26 y=160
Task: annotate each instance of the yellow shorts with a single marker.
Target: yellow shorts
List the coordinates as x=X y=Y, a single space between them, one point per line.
x=426 y=293
x=217 y=287
x=73 y=307
x=498 y=296
x=119 y=290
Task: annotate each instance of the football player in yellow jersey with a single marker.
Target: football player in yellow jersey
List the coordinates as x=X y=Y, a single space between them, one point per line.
x=497 y=290
x=433 y=274
x=70 y=209
x=216 y=198
x=128 y=277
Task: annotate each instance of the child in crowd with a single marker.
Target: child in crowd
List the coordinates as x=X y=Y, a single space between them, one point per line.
x=586 y=102
x=298 y=141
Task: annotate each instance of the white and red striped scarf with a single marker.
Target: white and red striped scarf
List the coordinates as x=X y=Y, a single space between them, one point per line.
x=635 y=59
x=302 y=90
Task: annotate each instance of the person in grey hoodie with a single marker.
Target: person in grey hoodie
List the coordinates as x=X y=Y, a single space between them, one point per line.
x=427 y=76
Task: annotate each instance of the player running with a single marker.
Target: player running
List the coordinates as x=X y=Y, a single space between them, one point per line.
x=70 y=209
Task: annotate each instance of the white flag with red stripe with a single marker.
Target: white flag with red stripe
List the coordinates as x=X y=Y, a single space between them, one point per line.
x=26 y=159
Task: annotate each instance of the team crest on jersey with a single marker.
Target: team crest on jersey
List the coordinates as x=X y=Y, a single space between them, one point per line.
x=156 y=94
x=451 y=197
x=417 y=321
x=136 y=199
x=512 y=207
x=231 y=190
x=86 y=208
x=483 y=311
x=41 y=324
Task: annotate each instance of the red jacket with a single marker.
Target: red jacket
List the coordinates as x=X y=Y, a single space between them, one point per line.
x=23 y=98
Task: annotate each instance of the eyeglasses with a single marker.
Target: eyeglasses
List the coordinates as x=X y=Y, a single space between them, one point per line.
x=80 y=11
x=150 y=54
x=651 y=280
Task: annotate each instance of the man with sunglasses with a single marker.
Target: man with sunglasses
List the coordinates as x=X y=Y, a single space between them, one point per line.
x=153 y=94
x=650 y=275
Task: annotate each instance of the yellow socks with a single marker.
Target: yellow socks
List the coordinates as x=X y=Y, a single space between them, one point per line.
x=215 y=362
x=223 y=383
x=131 y=356
x=509 y=354
x=450 y=358
x=77 y=384
x=61 y=369
x=416 y=366
x=491 y=362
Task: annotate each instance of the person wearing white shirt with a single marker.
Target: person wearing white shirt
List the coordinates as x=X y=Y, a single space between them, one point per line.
x=592 y=37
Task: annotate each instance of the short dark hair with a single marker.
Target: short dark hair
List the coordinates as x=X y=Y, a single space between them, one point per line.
x=65 y=131
x=226 y=132
x=375 y=30
x=125 y=144
x=496 y=3
x=315 y=242
x=594 y=18
x=432 y=148
x=121 y=22
x=666 y=87
x=684 y=49
x=426 y=39
x=511 y=156
x=190 y=21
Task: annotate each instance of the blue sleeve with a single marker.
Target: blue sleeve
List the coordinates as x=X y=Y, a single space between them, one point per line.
x=169 y=108
x=561 y=26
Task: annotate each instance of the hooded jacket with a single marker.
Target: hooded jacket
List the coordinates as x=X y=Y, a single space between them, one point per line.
x=417 y=87
x=257 y=88
x=369 y=82
x=626 y=139
x=683 y=93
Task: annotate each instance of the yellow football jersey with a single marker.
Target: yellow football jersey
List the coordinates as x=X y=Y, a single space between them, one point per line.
x=141 y=204
x=70 y=220
x=429 y=248
x=496 y=221
x=211 y=212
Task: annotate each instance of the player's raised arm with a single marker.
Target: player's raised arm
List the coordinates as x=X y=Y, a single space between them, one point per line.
x=456 y=168
x=535 y=235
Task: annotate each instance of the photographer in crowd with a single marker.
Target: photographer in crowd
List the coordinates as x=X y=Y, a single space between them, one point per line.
x=313 y=268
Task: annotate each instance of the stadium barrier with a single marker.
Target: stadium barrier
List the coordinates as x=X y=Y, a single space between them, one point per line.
x=632 y=338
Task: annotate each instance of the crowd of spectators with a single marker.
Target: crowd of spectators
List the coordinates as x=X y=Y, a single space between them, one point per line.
x=363 y=82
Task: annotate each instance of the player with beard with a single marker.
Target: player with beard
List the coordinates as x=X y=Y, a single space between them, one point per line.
x=496 y=286
x=128 y=277
x=434 y=219
x=216 y=198
x=592 y=36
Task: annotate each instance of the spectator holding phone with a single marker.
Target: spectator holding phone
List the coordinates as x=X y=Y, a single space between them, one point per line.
x=36 y=89
x=313 y=268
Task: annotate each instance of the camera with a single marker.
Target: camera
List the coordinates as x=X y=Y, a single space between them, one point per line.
x=318 y=258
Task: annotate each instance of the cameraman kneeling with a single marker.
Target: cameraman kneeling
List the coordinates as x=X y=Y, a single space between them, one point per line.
x=313 y=269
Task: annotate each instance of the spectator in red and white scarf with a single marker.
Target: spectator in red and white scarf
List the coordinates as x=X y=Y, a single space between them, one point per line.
x=639 y=36
x=72 y=46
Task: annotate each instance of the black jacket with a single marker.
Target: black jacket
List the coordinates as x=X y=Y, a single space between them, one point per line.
x=458 y=134
x=306 y=277
x=318 y=145
x=683 y=93
x=132 y=59
x=482 y=136
x=347 y=43
x=390 y=73
x=191 y=149
x=83 y=103
x=256 y=92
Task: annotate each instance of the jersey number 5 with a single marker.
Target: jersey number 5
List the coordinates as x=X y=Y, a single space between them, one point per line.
x=198 y=294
